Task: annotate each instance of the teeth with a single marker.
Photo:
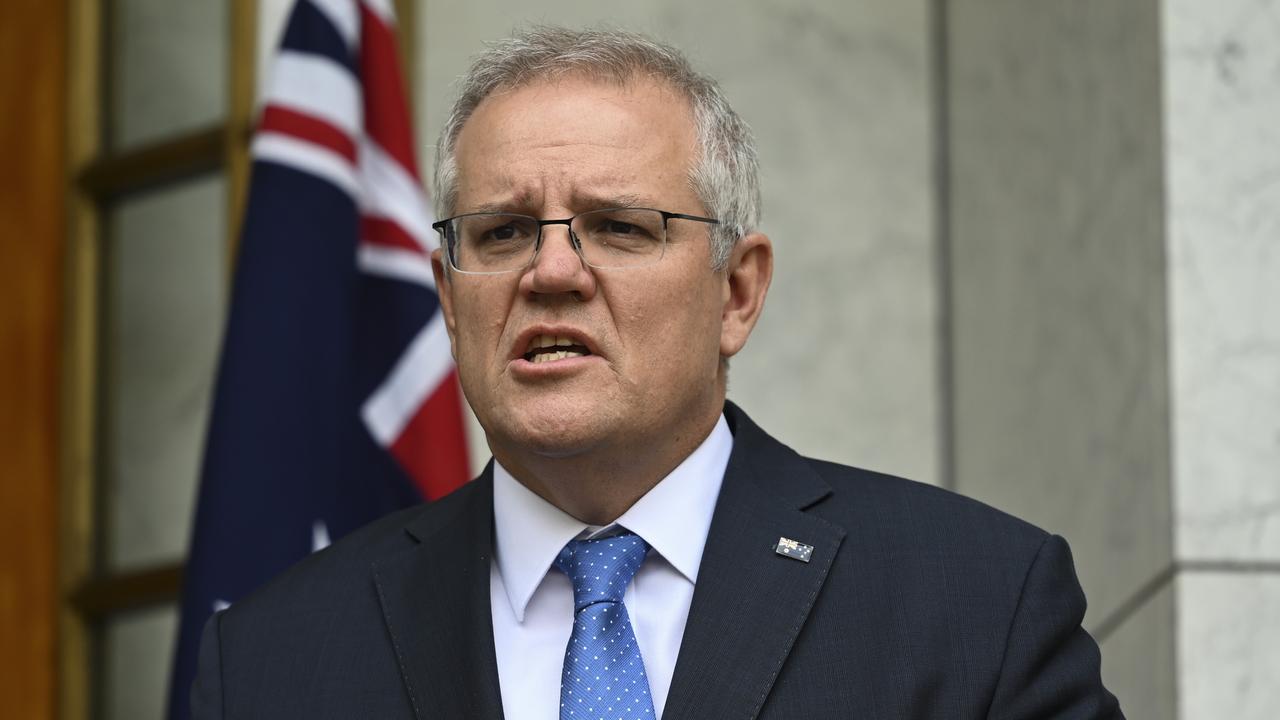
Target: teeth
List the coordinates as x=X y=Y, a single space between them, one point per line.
x=554 y=355
x=546 y=341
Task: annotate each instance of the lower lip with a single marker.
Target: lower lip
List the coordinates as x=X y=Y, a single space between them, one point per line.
x=553 y=368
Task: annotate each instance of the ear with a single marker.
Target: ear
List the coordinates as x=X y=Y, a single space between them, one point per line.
x=747 y=278
x=444 y=290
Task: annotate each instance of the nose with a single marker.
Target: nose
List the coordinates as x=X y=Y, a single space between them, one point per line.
x=558 y=268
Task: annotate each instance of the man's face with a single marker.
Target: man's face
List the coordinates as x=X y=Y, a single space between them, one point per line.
x=654 y=333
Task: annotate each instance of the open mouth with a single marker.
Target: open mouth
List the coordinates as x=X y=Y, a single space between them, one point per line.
x=549 y=348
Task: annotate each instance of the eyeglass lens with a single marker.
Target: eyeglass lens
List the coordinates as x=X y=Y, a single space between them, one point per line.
x=498 y=242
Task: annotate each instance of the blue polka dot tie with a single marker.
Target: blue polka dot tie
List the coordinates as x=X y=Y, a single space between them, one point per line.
x=603 y=673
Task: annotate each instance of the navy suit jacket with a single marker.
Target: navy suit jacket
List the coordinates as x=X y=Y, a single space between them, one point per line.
x=915 y=603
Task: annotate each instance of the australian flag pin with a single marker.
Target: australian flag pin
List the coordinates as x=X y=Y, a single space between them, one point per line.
x=787 y=547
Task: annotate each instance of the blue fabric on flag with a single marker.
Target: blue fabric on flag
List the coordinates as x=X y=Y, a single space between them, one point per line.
x=286 y=448
x=308 y=338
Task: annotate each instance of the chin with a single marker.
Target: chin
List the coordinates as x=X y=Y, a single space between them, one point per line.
x=552 y=430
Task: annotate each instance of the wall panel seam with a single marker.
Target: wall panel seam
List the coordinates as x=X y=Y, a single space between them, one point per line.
x=940 y=87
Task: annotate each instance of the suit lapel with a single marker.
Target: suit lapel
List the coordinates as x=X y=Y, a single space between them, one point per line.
x=750 y=602
x=748 y=608
x=435 y=600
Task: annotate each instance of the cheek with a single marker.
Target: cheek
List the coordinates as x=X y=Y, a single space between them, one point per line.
x=479 y=328
x=679 y=330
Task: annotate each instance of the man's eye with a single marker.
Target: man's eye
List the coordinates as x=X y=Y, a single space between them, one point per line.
x=626 y=225
x=617 y=227
x=503 y=232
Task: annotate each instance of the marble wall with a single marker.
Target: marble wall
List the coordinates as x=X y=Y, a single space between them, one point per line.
x=1113 y=215
x=1223 y=137
x=167 y=73
x=1222 y=146
x=1139 y=656
x=1228 y=638
x=164 y=287
x=1057 y=302
x=844 y=363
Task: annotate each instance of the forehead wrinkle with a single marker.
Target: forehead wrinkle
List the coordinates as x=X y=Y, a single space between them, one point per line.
x=511 y=196
x=534 y=194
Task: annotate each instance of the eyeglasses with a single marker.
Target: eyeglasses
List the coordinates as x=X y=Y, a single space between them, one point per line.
x=492 y=243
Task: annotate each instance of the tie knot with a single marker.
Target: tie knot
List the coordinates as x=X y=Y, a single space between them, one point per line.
x=600 y=569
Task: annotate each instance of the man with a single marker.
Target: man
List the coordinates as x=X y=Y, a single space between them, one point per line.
x=639 y=548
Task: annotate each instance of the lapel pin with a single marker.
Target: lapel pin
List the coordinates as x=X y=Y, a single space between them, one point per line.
x=787 y=547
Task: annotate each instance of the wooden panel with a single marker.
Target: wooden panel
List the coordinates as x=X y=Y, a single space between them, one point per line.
x=407 y=42
x=79 y=344
x=240 y=119
x=32 y=230
x=129 y=591
x=164 y=162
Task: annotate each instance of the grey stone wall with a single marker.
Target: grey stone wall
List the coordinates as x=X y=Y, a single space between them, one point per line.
x=1058 y=301
x=1222 y=151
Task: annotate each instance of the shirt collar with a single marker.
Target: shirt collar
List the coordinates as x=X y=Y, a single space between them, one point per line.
x=673 y=517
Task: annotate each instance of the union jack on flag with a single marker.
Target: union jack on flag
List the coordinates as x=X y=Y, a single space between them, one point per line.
x=336 y=398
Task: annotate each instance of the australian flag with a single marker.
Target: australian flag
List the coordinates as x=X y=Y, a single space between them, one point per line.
x=336 y=398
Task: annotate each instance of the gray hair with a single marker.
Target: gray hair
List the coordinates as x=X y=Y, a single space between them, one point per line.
x=724 y=175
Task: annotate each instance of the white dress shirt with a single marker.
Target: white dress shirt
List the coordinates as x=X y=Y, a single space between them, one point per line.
x=532 y=603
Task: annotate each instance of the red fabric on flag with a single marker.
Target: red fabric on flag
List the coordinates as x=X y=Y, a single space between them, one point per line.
x=334 y=356
x=432 y=445
x=429 y=446
x=309 y=128
x=379 y=231
x=386 y=112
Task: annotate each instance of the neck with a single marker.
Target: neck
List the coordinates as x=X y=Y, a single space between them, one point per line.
x=597 y=486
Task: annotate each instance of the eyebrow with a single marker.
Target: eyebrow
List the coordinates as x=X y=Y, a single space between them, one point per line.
x=491 y=208
x=597 y=202
x=583 y=201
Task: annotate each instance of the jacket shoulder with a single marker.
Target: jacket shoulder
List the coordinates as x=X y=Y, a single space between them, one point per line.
x=919 y=508
x=268 y=650
x=331 y=574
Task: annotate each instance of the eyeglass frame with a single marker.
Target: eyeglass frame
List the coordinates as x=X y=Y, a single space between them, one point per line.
x=574 y=241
